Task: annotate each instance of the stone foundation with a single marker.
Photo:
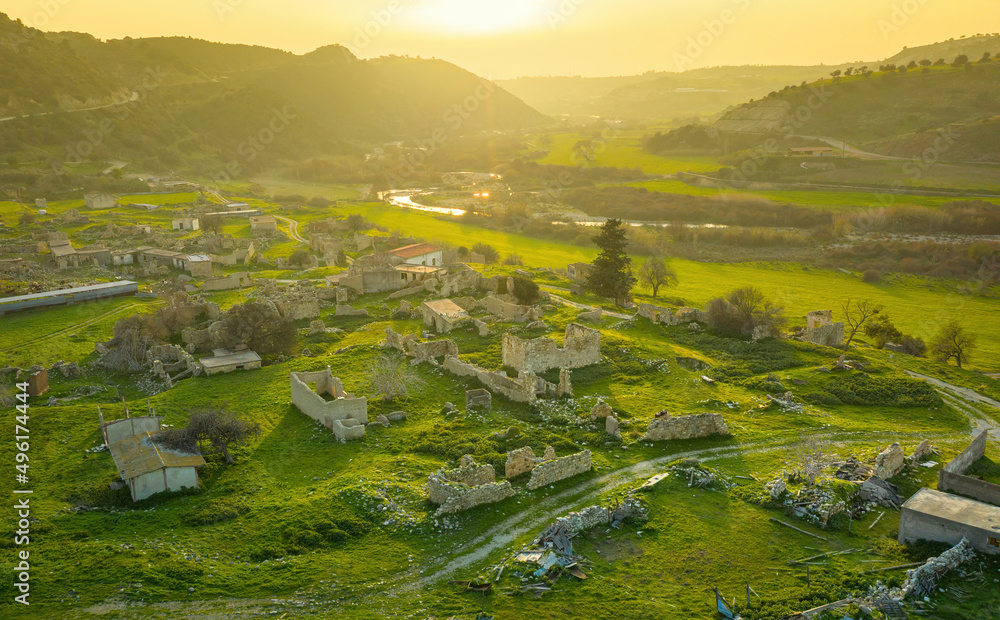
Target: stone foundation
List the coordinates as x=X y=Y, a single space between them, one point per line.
x=664 y=427
x=549 y=472
x=581 y=347
x=466 y=486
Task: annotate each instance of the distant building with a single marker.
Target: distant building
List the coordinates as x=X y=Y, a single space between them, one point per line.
x=443 y=315
x=225 y=360
x=67 y=296
x=263 y=223
x=184 y=223
x=811 y=151
x=97 y=200
x=578 y=271
x=40 y=203
x=420 y=254
x=416 y=273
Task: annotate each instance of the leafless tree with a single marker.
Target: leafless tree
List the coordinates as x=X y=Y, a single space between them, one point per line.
x=655 y=274
x=953 y=342
x=808 y=459
x=220 y=427
x=856 y=314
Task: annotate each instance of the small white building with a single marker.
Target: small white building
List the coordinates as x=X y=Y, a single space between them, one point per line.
x=185 y=223
x=98 y=200
x=420 y=254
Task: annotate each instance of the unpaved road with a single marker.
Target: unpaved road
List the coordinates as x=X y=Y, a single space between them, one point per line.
x=293 y=228
x=961 y=398
x=586 y=308
x=75 y=326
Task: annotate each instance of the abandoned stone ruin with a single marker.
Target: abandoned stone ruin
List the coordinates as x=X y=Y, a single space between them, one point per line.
x=466 y=486
x=328 y=403
x=820 y=329
x=411 y=345
x=581 y=347
x=526 y=387
x=549 y=471
x=478 y=398
x=664 y=426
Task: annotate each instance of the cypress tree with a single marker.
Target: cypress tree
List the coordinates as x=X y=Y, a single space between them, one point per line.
x=611 y=273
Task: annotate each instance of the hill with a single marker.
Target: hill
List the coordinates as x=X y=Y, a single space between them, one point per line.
x=196 y=100
x=875 y=107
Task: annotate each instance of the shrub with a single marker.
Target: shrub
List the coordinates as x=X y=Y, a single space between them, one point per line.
x=299 y=257
x=259 y=327
x=489 y=253
x=871 y=276
x=513 y=259
x=525 y=291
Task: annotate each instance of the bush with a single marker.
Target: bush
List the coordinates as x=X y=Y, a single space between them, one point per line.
x=525 y=291
x=489 y=253
x=259 y=327
x=871 y=276
x=513 y=259
x=299 y=257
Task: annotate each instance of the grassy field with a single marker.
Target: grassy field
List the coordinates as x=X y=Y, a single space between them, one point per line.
x=251 y=537
x=831 y=200
x=620 y=149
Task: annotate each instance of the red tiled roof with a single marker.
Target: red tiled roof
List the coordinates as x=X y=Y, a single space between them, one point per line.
x=417 y=249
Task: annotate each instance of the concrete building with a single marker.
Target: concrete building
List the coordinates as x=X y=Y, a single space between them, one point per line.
x=97 y=200
x=224 y=360
x=952 y=476
x=263 y=224
x=942 y=517
x=67 y=296
x=420 y=254
x=329 y=404
x=443 y=315
x=198 y=265
x=185 y=223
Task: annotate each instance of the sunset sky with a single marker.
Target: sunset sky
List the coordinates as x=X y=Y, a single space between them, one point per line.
x=508 y=38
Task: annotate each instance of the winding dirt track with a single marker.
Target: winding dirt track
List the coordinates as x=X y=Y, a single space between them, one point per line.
x=293 y=228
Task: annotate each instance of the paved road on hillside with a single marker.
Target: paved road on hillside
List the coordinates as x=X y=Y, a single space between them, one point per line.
x=134 y=97
x=843 y=146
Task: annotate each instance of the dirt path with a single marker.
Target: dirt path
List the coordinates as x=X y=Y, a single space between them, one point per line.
x=293 y=228
x=586 y=308
x=537 y=515
x=967 y=401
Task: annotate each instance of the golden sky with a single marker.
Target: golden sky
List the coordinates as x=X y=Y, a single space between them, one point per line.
x=508 y=38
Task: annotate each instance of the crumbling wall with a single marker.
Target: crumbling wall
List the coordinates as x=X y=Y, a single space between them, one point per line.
x=553 y=471
x=889 y=462
x=510 y=311
x=581 y=347
x=819 y=318
x=656 y=314
x=520 y=461
x=952 y=478
x=521 y=389
x=466 y=486
x=346 y=415
x=828 y=335
x=664 y=427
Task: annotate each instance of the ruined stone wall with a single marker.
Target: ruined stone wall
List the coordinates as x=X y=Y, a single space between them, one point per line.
x=889 y=462
x=656 y=314
x=951 y=477
x=686 y=427
x=967 y=457
x=432 y=348
x=581 y=347
x=829 y=335
x=553 y=471
x=311 y=403
x=511 y=312
x=521 y=389
x=520 y=461
x=466 y=486
x=819 y=318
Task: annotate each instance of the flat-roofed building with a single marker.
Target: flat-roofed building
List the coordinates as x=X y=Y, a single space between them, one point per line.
x=225 y=360
x=942 y=517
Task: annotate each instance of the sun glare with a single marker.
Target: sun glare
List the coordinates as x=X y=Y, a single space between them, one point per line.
x=478 y=16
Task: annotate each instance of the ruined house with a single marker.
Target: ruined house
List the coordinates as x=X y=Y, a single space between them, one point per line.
x=952 y=476
x=820 y=329
x=510 y=311
x=466 y=486
x=443 y=315
x=184 y=223
x=819 y=318
x=224 y=361
x=329 y=404
x=145 y=466
x=263 y=224
x=578 y=271
x=581 y=347
x=551 y=471
x=95 y=200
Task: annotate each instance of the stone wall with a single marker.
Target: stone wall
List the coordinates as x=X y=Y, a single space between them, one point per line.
x=665 y=427
x=829 y=335
x=656 y=314
x=549 y=472
x=520 y=461
x=819 y=318
x=510 y=311
x=889 y=462
x=420 y=351
x=581 y=347
x=952 y=478
x=346 y=415
x=521 y=389
x=466 y=486
x=232 y=281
